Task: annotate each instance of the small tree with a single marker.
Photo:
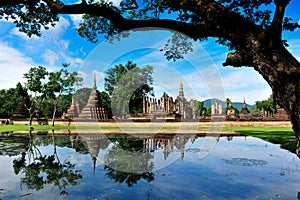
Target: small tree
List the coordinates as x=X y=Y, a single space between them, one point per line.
x=228 y=101
x=105 y=101
x=267 y=105
x=200 y=108
x=34 y=84
x=60 y=82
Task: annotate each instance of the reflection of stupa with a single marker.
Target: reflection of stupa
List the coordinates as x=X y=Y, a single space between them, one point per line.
x=180 y=142
x=94 y=143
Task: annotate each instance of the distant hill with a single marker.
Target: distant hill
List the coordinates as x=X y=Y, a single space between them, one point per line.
x=237 y=105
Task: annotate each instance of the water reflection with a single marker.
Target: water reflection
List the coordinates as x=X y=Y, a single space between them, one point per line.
x=107 y=166
x=39 y=170
x=245 y=162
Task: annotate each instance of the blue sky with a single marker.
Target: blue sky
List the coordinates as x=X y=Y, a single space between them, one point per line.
x=201 y=71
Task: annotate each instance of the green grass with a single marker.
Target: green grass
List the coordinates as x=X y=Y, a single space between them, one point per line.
x=21 y=127
x=276 y=135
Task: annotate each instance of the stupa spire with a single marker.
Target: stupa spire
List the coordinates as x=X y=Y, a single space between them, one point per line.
x=181 y=94
x=95 y=85
x=244 y=104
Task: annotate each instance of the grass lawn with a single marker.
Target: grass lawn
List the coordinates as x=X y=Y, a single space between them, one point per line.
x=23 y=127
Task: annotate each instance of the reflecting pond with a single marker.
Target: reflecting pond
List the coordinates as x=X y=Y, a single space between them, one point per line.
x=170 y=166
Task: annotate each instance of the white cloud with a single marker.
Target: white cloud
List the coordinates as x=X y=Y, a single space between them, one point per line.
x=99 y=75
x=13 y=64
x=50 y=57
x=76 y=19
x=59 y=29
x=83 y=75
x=53 y=32
x=51 y=47
x=242 y=78
x=245 y=82
x=16 y=32
x=52 y=36
x=74 y=62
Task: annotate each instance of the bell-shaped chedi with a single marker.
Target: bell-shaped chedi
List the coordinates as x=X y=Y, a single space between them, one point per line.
x=20 y=111
x=93 y=109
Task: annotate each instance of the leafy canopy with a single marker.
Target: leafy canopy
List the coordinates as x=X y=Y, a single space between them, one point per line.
x=127 y=84
x=103 y=17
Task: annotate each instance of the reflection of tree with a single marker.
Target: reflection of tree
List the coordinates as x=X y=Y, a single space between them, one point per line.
x=126 y=161
x=40 y=170
x=129 y=178
x=125 y=143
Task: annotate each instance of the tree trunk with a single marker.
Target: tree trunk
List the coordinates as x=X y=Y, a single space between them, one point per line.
x=279 y=68
x=282 y=71
x=30 y=120
x=30 y=115
x=54 y=112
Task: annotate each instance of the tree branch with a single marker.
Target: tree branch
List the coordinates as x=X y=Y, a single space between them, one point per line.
x=216 y=20
x=122 y=23
x=237 y=59
x=275 y=29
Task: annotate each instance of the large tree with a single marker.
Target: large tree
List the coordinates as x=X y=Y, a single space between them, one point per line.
x=252 y=32
x=127 y=84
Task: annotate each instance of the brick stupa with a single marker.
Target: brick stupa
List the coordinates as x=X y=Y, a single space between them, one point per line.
x=74 y=109
x=90 y=111
x=20 y=112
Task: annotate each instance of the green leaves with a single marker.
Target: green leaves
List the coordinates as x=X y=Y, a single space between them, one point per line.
x=254 y=10
x=92 y=26
x=30 y=18
x=289 y=25
x=127 y=84
x=46 y=170
x=49 y=86
x=177 y=46
x=267 y=105
x=34 y=78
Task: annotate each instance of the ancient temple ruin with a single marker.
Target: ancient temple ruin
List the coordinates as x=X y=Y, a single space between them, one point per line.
x=20 y=112
x=74 y=109
x=216 y=108
x=230 y=111
x=245 y=113
x=166 y=107
x=93 y=110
